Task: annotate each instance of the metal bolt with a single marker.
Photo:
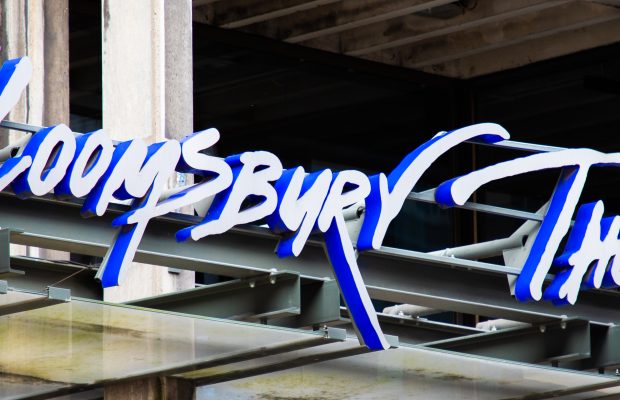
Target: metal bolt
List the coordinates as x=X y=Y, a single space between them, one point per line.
x=272 y=276
x=542 y=328
x=252 y=284
x=563 y=325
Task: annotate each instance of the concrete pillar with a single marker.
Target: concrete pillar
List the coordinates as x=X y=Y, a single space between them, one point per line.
x=56 y=63
x=156 y=388
x=147 y=93
x=40 y=30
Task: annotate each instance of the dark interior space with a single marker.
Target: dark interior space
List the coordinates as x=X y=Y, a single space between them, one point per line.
x=323 y=110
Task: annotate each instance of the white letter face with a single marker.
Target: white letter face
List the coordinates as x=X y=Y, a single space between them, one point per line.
x=94 y=154
x=193 y=161
x=52 y=150
x=14 y=77
x=300 y=199
x=575 y=164
x=127 y=156
x=592 y=244
x=343 y=258
x=252 y=174
x=388 y=193
x=145 y=183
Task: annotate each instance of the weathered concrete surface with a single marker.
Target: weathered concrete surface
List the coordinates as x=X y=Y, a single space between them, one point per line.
x=40 y=30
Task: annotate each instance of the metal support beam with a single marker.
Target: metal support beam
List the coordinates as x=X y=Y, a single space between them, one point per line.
x=605 y=343
x=261 y=297
x=414 y=331
x=399 y=276
x=320 y=304
x=54 y=296
x=279 y=298
x=428 y=196
x=5 y=255
x=554 y=342
x=39 y=274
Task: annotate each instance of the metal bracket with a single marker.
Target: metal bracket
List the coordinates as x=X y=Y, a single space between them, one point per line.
x=54 y=296
x=5 y=255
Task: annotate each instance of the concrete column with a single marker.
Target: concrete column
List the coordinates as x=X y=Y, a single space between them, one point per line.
x=156 y=388
x=179 y=99
x=147 y=93
x=40 y=30
x=56 y=63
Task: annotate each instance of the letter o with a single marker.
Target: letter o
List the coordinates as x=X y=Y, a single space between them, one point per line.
x=52 y=150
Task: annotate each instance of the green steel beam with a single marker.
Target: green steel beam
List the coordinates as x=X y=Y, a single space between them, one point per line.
x=260 y=297
x=320 y=304
x=413 y=331
x=550 y=343
x=6 y=269
x=394 y=275
x=605 y=344
x=40 y=273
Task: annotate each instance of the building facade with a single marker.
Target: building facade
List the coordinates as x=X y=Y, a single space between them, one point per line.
x=324 y=240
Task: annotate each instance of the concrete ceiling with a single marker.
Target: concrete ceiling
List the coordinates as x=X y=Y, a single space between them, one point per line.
x=461 y=39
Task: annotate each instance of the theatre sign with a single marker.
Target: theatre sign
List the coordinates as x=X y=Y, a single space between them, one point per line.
x=296 y=204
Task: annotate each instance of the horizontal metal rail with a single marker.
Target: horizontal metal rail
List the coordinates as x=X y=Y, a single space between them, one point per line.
x=51 y=296
x=397 y=275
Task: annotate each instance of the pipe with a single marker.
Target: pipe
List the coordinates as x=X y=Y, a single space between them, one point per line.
x=499 y=324
x=410 y=310
x=481 y=250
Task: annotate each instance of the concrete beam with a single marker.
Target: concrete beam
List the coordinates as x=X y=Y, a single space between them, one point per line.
x=578 y=37
x=414 y=29
x=222 y=13
x=347 y=15
x=200 y=3
x=512 y=32
x=277 y=13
